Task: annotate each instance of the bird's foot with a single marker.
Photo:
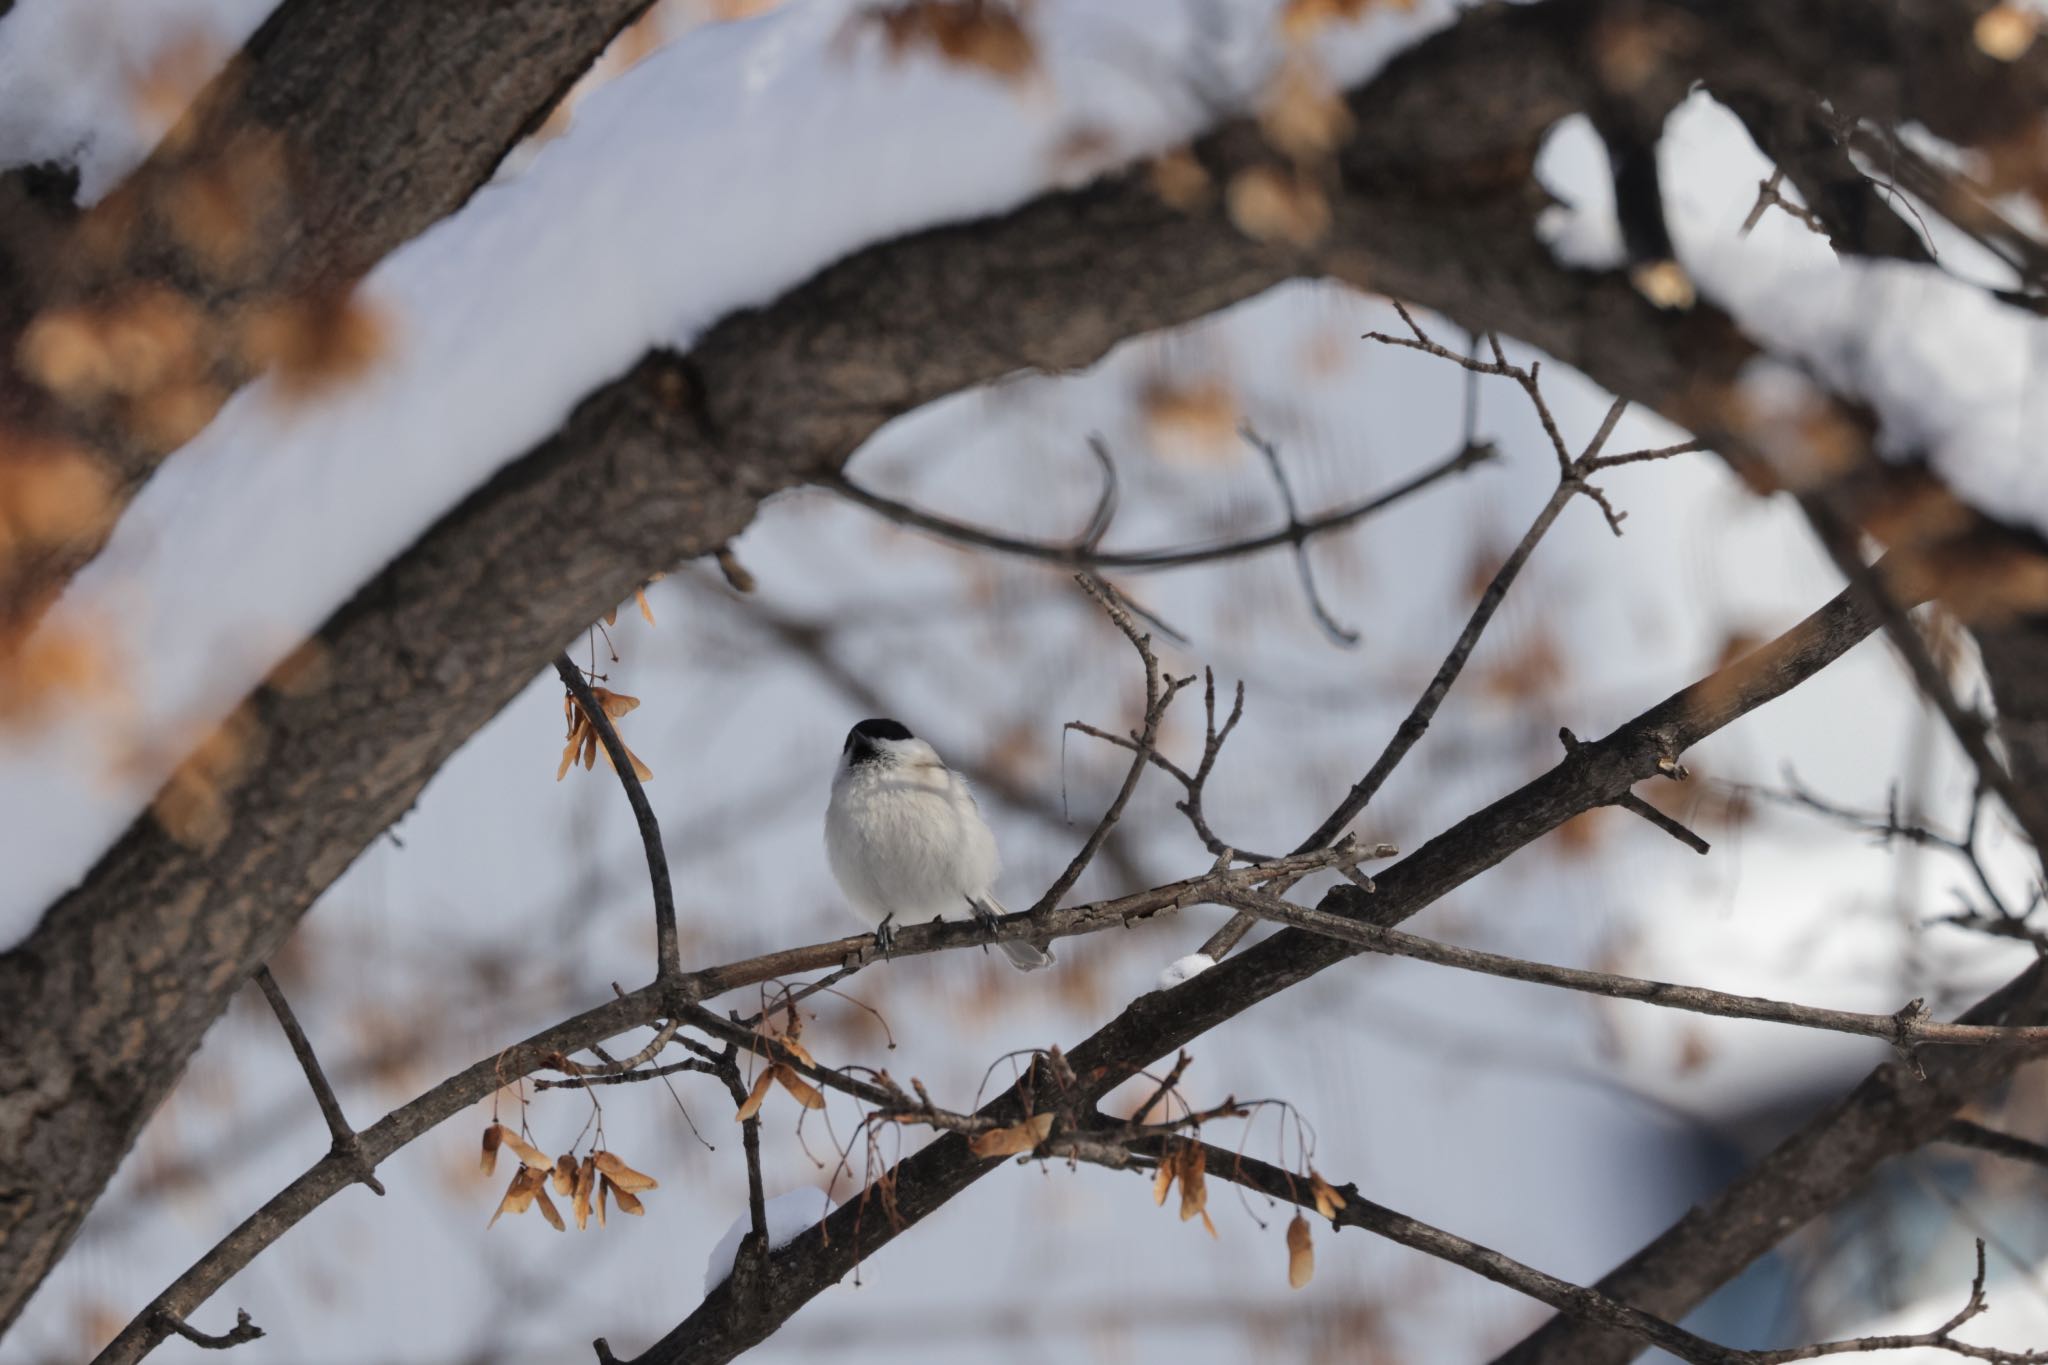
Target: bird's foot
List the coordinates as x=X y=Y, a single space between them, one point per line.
x=885 y=934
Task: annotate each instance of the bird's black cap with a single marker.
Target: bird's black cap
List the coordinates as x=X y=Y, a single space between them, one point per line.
x=865 y=737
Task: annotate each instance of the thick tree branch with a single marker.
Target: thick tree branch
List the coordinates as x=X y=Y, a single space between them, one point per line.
x=335 y=135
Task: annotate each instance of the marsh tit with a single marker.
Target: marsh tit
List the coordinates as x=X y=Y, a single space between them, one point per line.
x=906 y=841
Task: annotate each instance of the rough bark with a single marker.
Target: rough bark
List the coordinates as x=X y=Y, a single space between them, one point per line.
x=337 y=133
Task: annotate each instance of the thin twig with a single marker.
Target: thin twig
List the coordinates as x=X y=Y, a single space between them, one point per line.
x=1360 y=1212
x=1159 y=695
x=344 y=1137
x=1908 y=1029
x=668 y=949
x=1084 y=554
x=1341 y=635
x=243 y=1330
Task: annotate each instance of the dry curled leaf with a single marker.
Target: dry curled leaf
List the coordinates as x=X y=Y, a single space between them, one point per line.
x=1013 y=1140
x=1328 y=1200
x=1301 y=1253
x=622 y=1176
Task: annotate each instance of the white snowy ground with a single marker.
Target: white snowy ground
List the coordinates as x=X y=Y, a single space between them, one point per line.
x=1561 y=1132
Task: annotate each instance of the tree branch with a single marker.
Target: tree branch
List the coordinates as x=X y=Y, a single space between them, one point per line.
x=1908 y=1029
x=345 y=1143
x=668 y=952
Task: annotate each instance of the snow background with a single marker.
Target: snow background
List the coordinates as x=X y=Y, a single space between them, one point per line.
x=1559 y=1130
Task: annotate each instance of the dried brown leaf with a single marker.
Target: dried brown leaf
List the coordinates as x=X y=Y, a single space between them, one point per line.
x=493 y=1135
x=646 y=612
x=565 y=1174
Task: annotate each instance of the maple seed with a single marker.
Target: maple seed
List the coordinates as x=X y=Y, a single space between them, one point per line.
x=493 y=1135
x=1301 y=1253
x=1162 y=1183
x=548 y=1209
x=526 y=1183
x=565 y=1174
x=752 y=1106
x=628 y=1202
x=528 y=1154
x=1014 y=1140
x=1194 y=1192
x=1328 y=1201
x=806 y=1094
x=622 y=1176
x=586 y=1178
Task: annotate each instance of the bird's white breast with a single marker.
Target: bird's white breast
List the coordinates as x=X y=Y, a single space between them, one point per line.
x=906 y=839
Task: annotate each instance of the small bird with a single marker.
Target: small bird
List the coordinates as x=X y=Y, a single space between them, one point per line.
x=906 y=841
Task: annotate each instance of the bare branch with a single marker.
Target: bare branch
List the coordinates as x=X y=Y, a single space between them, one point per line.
x=1085 y=553
x=345 y=1143
x=1907 y=1029
x=1338 y=634
x=1157 y=698
x=243 y=1330
x=668 y=953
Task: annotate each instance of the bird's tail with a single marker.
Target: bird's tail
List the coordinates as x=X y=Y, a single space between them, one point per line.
x=1023 y=956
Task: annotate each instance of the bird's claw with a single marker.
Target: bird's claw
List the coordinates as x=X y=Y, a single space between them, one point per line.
x=885 y=935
